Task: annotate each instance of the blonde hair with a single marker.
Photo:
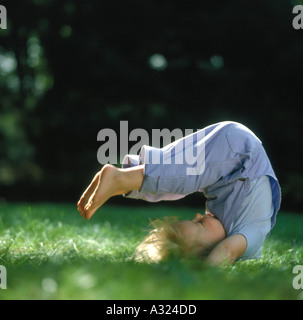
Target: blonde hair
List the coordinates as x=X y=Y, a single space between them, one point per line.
x=160 y=243
x=164 y=241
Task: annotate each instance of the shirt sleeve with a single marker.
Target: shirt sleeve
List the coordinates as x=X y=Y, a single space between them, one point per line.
x=254 y=217
x=255 y=236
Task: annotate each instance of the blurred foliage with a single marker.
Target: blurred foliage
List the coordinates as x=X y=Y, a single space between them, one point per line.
x=69 y=68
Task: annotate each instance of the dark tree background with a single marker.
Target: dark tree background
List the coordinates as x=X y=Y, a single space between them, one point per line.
x=69 y=68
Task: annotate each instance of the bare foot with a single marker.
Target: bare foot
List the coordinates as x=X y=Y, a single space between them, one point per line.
x=104 y=185
x=87 y=193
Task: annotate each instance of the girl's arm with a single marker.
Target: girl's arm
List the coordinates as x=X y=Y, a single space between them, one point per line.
x=228 y=250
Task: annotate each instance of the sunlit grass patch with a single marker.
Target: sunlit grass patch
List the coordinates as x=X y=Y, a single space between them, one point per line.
x=51 y=252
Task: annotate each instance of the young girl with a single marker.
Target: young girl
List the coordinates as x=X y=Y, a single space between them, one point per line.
x=233 y=171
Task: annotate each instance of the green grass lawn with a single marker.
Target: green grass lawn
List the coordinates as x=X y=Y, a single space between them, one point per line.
x=51 y=252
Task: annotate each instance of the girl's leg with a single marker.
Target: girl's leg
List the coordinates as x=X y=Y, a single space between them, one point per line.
x=108 y=182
